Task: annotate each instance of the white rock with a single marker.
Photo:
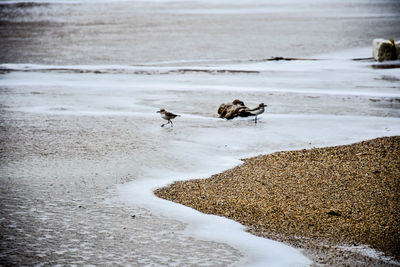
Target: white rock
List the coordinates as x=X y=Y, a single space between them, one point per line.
x=383 y=50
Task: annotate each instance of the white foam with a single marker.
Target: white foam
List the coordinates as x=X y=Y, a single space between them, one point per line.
x=200 y=145
x=214 y=150
x=259 y=251
x=367 y=251
x=274 y=77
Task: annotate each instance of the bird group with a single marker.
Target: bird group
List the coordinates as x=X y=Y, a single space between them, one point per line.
x=169 y=116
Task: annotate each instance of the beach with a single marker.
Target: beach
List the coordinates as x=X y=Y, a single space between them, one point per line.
x=82 y=150
x=327 y=201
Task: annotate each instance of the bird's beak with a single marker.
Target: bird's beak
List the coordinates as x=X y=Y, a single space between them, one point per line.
x=158 y=111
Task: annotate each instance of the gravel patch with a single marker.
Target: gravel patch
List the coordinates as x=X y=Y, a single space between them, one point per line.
x=329 y=202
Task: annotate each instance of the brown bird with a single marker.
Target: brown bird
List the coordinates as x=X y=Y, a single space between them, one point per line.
x=257 y=111
x=167 y=116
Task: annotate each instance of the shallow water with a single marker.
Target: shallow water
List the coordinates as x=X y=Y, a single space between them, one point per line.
x=139 y=32
x=82 y=147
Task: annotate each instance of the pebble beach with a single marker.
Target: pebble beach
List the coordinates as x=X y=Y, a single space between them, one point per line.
x=322 y=200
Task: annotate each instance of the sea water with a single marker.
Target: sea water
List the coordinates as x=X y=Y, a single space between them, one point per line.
x=82 y=144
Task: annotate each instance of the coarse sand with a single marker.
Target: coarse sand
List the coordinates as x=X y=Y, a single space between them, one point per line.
x=324 y=201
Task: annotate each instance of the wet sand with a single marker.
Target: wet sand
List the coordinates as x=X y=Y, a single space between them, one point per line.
x=58 y=204
x=321 y=200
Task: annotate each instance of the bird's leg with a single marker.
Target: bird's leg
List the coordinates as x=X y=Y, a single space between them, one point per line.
x=162 y=125
x=255 y=120
x=172 y=125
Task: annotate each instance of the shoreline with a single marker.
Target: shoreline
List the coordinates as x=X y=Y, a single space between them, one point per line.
x=74 y=138
x=78 y=140
x=312 y=214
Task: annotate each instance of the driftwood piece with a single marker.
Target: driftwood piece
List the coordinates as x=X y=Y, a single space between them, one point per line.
x=235 y=109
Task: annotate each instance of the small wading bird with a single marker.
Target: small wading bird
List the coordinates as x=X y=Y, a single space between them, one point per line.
x=167 y=116
x=257 y=111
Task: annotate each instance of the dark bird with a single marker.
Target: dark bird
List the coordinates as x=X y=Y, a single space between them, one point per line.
x=167 y=116
x=257 y=111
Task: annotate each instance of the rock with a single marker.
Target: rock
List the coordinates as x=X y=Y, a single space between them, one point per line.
x=334 y=213
x=384 y=50
x=232 y=110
